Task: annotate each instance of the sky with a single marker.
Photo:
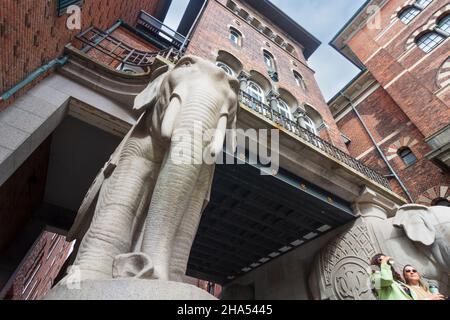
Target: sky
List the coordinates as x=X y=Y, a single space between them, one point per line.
x=322 y=18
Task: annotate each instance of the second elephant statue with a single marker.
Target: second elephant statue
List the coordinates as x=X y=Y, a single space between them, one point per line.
x=141 y=215
x=429 y=229
x=411 y=234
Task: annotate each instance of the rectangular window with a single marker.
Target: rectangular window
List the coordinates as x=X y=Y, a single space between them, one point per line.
x=62 y=5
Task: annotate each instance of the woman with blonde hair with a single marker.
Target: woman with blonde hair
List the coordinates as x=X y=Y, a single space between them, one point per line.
x=416 y=284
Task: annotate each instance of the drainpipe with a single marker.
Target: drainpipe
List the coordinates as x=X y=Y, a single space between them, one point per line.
x=193 y=26
x=59 y=61
x=386 y=161
x=35 y=74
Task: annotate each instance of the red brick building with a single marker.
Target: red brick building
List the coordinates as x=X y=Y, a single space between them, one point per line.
x=56 y=133
x=39 y=27
x=396 y=112
x=246 y=36
x=32 y=34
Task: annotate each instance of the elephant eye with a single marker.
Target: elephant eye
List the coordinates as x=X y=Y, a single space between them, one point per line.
x=186 y=64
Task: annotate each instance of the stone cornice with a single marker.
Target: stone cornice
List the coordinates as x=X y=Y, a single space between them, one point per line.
x=355 y=24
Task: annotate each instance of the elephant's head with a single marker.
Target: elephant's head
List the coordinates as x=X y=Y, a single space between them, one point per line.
x=429 y=227
x=194 y=83
x=416 y=221
x=421 y=223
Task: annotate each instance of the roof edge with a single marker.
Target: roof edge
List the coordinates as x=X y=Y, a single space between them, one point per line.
x=309 y=42
x=348 y=85
x=339 y=42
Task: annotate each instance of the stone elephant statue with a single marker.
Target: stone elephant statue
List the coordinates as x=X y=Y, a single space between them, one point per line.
x=141 y=215
x=413 y=234
x=429 y=229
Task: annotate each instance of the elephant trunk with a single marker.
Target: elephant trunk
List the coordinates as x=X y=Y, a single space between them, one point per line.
x=177 y=184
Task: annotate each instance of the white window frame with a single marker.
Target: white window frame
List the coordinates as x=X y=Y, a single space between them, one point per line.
x=255 y=91
x=300 y=80
x=226 y=68
x=423 y=5
x=427 y=42
x=309 y=124
x=284 y=109
x=235 y=37
x=269 y=61
x=445 y=21
x=409 y=14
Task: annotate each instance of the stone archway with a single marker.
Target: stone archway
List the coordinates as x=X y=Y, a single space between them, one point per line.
x=407 y=142
x=437 y=192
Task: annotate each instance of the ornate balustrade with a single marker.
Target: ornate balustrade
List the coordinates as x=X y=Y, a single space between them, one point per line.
x=94 y=38
x=309 y=137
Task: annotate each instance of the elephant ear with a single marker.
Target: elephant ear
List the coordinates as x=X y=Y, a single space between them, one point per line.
x=417 y=223
x=150 y=95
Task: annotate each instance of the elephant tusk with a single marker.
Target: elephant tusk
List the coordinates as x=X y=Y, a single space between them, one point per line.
x=170 y=117
x=219 y=137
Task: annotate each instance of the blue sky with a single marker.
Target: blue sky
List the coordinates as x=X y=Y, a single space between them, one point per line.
x=323 y=18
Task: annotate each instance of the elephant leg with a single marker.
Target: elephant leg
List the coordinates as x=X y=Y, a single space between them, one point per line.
x=110 y=233
x=170 y=200
x=138 y=225
x=189 y=225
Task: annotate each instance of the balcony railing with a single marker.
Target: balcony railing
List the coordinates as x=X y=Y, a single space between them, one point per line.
x=309 y=137
x=94 y=38
x=159 y=32
x=126 y=54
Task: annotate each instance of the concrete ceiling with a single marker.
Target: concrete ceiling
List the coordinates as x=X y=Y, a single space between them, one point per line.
x=78 y=152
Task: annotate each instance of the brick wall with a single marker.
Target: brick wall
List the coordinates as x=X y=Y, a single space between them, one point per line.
x=31 y=33
x=408 y=74
x=390 y=126
x=212 y=34
x=128 y=38
x=22 y=194
x=41 y=266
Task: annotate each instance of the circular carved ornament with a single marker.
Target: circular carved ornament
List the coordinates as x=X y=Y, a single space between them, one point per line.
x=351 y=279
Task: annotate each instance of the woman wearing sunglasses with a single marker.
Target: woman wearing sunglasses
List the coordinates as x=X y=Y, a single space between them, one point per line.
x=387 y=283
x=415 y=283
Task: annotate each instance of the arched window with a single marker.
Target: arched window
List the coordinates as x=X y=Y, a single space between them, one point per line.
x=225 y=68
x=407 y=15
x=269 y=60
x=429 y=41
x=441 y=202
x=407 y=156
x=229 y=61
x=235 y=37
x=285 y=111
x=423 y=3
x=309 y=124
x=299 y=80
x=444 y=24
x=255 y=91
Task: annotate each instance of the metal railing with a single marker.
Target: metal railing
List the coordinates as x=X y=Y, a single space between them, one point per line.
x=311 y=138
x=152 y=26
x=126 y=54
x=120 y=51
